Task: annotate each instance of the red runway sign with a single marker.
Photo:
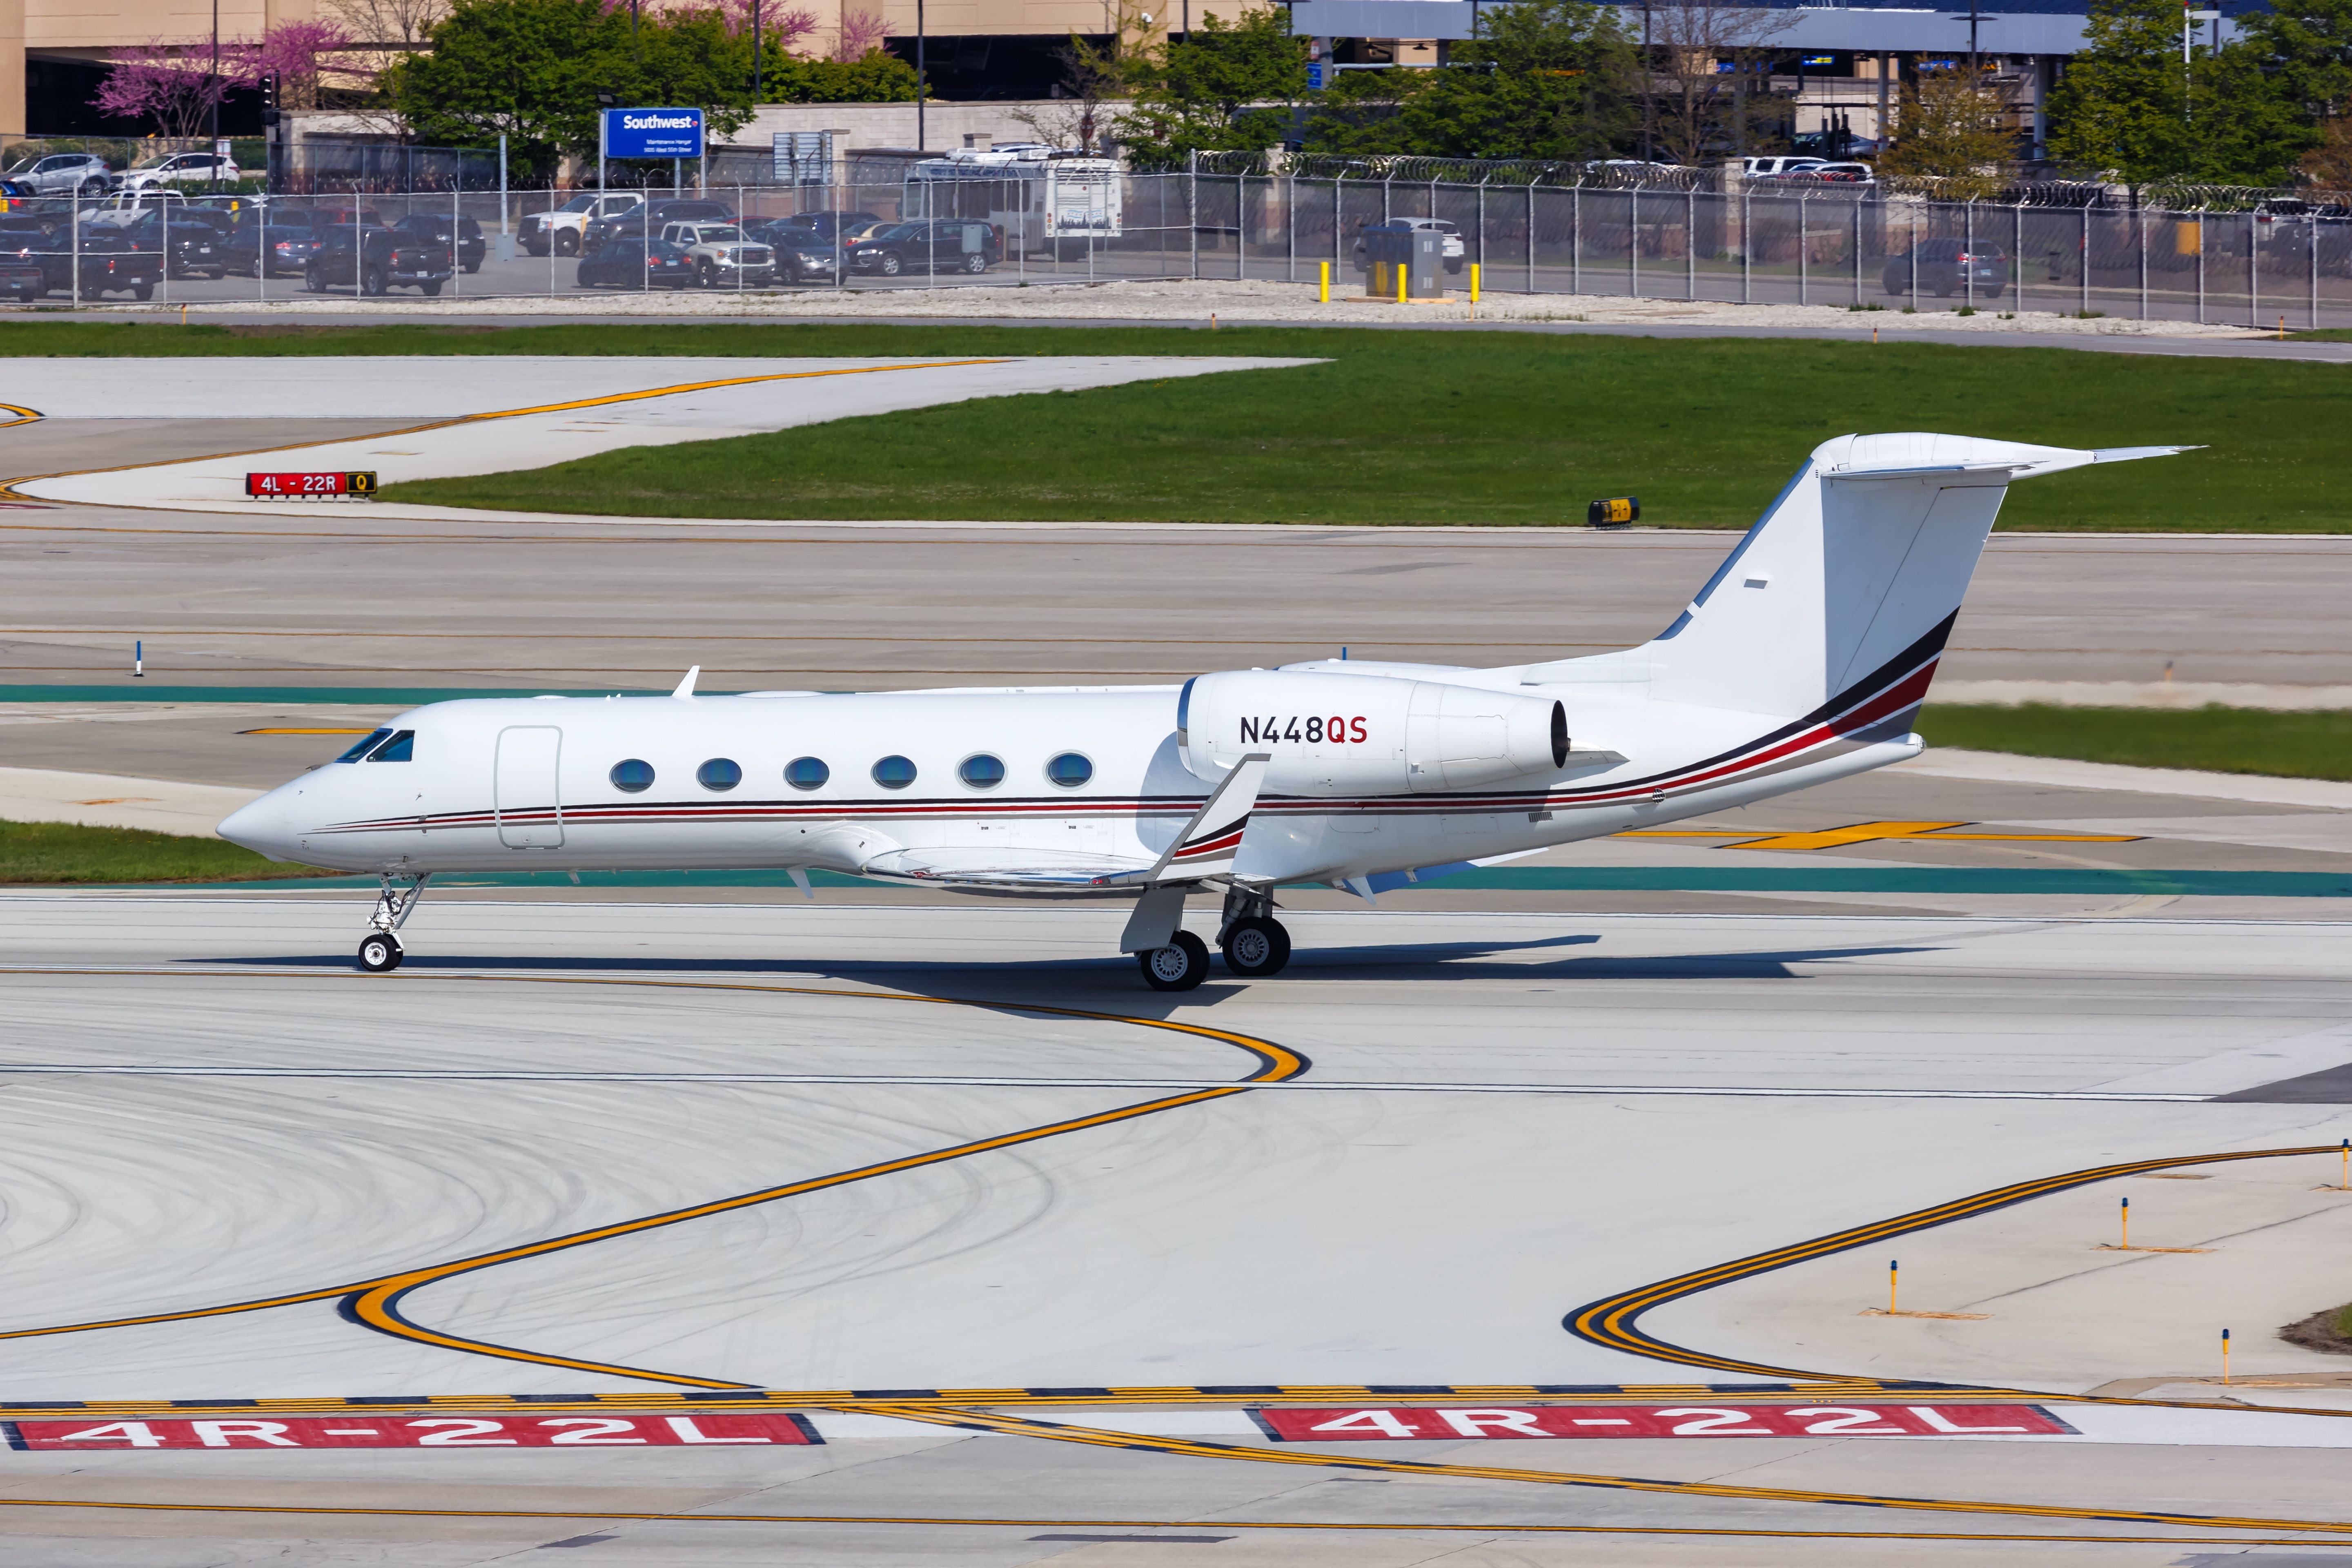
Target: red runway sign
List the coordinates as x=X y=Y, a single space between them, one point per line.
x=1394 y=1424
x=411 y=1431
x=293 y=487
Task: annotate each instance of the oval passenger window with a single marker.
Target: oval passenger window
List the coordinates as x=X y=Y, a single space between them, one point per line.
x=1069 y=770
x=718 y=773
x=632 y=775
x=806 y=772
x=893 y=773
x=981 y=771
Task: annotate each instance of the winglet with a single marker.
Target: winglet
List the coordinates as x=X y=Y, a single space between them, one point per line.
x=1212 y=841
x=685 y=688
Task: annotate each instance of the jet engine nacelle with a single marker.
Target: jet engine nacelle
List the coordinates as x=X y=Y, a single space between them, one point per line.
x=1367 y=734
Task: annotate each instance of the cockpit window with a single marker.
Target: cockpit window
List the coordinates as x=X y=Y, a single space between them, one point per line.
x=401 y=748
x=376 y=738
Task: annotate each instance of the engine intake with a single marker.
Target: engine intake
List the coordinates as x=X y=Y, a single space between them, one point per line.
x=1367 y=734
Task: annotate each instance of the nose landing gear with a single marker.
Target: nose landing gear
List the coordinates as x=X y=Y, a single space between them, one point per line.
x=380 y=950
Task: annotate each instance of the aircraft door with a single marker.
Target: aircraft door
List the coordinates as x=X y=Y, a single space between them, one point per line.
x=530 y=812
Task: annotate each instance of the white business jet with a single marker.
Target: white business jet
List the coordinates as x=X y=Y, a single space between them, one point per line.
x=1804 y=659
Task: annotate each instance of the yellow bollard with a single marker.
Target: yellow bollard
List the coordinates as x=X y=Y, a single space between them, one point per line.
x=1323 y=285
x=1474 y=283
x=2126 y=1239
x=1892 y=1272
x=1401 y=274
x=2225 y=1358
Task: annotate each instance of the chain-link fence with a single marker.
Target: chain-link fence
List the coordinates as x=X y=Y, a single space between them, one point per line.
x=1852 y=246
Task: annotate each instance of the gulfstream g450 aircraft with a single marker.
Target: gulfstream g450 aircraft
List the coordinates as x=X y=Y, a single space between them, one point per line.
x=1803 y=659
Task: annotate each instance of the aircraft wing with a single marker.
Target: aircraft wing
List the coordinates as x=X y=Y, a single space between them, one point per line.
x=1001 y=870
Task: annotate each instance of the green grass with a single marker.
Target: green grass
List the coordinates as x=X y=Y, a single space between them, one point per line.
x=55 y=852
x=1400 y=427
x=2310 y=745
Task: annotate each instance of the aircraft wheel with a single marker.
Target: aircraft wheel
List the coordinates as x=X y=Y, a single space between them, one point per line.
x=1257 y=948
x=380 y=952
x=1180 y=966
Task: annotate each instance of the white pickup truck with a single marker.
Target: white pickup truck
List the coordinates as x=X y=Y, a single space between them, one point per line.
x=560 y=230
x=723 y=258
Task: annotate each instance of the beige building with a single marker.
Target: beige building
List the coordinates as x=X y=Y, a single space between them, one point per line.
x=51 y=50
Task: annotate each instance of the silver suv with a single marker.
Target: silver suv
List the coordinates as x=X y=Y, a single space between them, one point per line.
x=723 y=258
x=63 y=173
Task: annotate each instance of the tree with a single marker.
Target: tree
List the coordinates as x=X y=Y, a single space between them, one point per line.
x=1705 y=55
x=2119 y=105
x=1228 y=86
x=311 y=59
x=1359 y=114
x=874 y=77
x=1952 y=126
x=2329 y=164
x=531 y=70
x=1094 y=78
x=175 y=86
x=1539 y=78
x=2308 y=48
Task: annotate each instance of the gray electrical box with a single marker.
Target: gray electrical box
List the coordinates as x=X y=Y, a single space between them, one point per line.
x=1396 y=253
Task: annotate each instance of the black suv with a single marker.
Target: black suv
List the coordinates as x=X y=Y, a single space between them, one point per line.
x=1950 y=267
x=471 y=246
x=198 y=244
x=289 y=233
x=646 y=220
x=374 y=259
x=936 y=245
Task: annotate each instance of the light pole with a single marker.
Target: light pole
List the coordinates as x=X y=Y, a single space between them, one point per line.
x=212 y=85
x=755 y=54
x=921 y=79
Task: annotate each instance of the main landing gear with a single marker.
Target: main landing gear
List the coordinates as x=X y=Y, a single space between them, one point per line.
x=1255 y=945
x=379 y=950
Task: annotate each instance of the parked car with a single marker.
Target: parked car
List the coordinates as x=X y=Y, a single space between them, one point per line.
x=1767 y=168
x=62 y=174
x=25 y=246
x=372 y=260
x=15 y=193
x=112 y=263
x=932 y=245
x=178 y=169
x=471 y=246
x=1450 y=250
x=804 y=256
x=649 y=218
x=562 y=230
x=801 y=227
x=195 y=243
x=289 y=234
x=1948 y=267
x=636 y=264
x=1840 y=173
x=123 y=208
x=723 y=258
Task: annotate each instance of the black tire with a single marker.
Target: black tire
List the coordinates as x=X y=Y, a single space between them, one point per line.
x=890 y=266
x=472 y=267
x=142 y=292
x=706 y=275
x=373 y=282
x=976 y=263
x=380 y=952
x=1182 y=964
x=1945 y=293
x=567 y=243
x=312 y=283
x=1257 y=948
x=531 y=249
x=431 y=287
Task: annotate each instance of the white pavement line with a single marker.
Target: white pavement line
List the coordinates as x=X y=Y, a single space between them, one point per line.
x=959 y=1081
x=111 y=800
x=2002 y=767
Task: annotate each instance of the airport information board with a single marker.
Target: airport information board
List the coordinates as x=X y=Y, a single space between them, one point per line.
x=296 y=487
x=653 y=133
x=1873 y=1419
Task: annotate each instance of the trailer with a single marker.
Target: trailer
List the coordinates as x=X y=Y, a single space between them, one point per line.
x=1040 y=198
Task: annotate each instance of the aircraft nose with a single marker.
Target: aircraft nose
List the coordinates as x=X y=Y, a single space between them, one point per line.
x=258 y=825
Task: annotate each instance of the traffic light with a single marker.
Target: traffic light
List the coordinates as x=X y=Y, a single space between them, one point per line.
x=269 y=115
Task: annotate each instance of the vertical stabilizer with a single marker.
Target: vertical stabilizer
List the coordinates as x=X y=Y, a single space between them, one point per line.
x=1840 y=599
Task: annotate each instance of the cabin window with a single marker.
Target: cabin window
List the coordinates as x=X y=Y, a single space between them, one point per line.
x=893 y=773
x=981 y=771
x=634 y=776
x=806 y=772
x=401 y=748
x=1069 y=770
x=718 y=773
x=376 y=738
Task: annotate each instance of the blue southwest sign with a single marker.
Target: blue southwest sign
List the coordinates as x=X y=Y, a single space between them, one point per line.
x=653 y=133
